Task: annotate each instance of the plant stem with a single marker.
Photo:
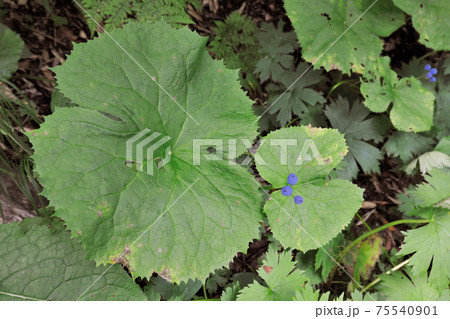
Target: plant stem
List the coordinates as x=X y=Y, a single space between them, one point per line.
x=364 y=236
x=293 y=121
x=397 y=222
x=377 y=280
x=364 y=222
x=426 y=55
x=204 y=291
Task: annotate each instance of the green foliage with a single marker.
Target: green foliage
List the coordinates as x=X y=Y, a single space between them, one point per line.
x=282 y=280
x=358 y=128
x=358 y=296
x=294 y=93
x=275 y=46
x=429 y=244
x=42 y=263
x=218 y=279
x=321 y=29
x=325 y=256
x=439 y=157
x=430 y=19
x=412 y=104
x=440 y=88
x=436 y=192
x=159 y=287
x=116 y=13
x=177 y=221
x=362 y=258
x=231 y=292
x=329 y=205
x=399 y=287
x=234 y=42
x=11 y=46
x=407 y=145
x=305 y=262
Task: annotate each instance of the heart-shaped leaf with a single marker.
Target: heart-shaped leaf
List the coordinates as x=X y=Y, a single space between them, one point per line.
x=328 y=206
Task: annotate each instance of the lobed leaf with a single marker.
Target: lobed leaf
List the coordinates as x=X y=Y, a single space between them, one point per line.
x=430 y=244
x=282 y=279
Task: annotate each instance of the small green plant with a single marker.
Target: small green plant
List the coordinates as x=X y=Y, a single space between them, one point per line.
x=115 y=13
x=359 y=128
x=275 y=47
x=295 y=94
x=234 y=42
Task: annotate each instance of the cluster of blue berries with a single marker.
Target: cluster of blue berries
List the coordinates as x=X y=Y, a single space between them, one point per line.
x=287 y=190
x=431 y=73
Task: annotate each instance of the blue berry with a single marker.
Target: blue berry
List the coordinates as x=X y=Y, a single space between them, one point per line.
x=292 y=179
x=429 y=75
x=298 y=199
x=433 y=71
x=433 y=79
x=428 y=67
x=286 y=190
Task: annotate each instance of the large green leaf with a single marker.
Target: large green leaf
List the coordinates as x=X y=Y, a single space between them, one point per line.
x=412 y=104
x=185 y=220
x=321 y=27
x=11 y=46
x=39 y=263
x=430 y=18
x=430 y=244
x=328 y=206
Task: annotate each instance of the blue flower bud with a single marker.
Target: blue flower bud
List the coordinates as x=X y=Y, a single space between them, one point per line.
x=292 y=179
x=429 y=75
x=286 y=190
x=433 y=71
x=428 y=67
x=433 y=79
x=298 y=199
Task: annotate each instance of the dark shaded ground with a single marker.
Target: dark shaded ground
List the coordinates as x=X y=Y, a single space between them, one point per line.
x=50 y=42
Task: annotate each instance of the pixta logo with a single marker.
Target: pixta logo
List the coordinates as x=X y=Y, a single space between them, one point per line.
x=306 y=153
x=141 y=148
